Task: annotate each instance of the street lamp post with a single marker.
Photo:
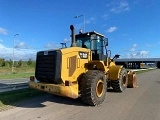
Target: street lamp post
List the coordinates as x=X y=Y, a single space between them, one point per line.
x=84 y=20
x=13 y=52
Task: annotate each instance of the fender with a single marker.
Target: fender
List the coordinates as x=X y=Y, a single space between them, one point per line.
x=114 y=72
x=99 y=65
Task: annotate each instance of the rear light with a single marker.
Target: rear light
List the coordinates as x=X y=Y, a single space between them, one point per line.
x=67 y=83
x=32 y=78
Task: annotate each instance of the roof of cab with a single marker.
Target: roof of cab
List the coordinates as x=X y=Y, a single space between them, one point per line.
x=80 y=35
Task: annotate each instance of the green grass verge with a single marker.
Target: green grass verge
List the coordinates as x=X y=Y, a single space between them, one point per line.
x=143 y=71
x=22 y=72
x=16 y=75
x=19 y=69
x=12 y=97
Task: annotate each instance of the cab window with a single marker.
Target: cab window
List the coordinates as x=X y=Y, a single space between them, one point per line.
x=94 y=43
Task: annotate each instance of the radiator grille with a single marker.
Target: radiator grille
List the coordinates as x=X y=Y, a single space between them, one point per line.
x=45 y=68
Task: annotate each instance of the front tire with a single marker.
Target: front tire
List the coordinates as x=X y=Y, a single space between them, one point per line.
x=121 y=84
x=93 y=87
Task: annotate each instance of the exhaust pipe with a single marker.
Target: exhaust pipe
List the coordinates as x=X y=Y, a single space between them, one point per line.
x=73 y=44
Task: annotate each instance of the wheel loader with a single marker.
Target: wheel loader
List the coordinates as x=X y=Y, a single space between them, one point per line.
x=85 y=70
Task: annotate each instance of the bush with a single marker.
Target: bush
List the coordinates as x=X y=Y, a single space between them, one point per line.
x=29 y=62
x=20 y=63
x=10 y=62
x=2 y=62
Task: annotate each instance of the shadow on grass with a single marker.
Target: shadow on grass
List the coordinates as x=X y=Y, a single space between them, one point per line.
x=29 y=98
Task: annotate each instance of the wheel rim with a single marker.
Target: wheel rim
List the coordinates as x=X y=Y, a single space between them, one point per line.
x=124 y=80
x=99 y=88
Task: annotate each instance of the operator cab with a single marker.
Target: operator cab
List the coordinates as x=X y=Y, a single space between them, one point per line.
x=94 y=41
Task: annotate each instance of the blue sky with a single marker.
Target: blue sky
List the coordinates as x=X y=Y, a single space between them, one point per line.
x=132 y=26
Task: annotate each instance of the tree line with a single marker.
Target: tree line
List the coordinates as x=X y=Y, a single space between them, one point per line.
x=20 y=63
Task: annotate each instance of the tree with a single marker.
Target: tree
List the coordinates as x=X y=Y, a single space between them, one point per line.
x=29 y=62
x=20 y=63
x=2 y=62
x=10 y=62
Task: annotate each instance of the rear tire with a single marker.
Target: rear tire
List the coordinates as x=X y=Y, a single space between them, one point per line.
x=121 y=84
x=93 y=87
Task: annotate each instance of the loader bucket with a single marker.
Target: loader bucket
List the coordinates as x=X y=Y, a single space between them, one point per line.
x=132 y=80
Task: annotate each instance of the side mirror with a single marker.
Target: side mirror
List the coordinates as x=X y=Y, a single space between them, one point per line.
x=106 y=42
x=63 y=45
x=116 y=56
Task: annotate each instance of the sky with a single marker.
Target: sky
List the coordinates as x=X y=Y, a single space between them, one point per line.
x=131 y=26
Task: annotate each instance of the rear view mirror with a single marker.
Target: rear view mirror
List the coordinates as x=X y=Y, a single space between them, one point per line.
x=116 y=56
x=63 y=45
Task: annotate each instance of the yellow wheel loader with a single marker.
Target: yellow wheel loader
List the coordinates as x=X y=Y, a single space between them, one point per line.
x=83 y=70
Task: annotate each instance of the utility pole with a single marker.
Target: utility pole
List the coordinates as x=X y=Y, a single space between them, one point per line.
x=84 y=20
x=13 y=52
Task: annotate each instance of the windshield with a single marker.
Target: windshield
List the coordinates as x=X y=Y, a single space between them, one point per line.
x=93 y=43
x=84 y=42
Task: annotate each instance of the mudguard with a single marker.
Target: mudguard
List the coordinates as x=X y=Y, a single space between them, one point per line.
x=114 y=72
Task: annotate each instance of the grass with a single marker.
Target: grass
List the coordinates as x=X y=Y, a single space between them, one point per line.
x=143 y=71
x=22 y=72
x=15 y=75
x=16 y=69
x=13 y=97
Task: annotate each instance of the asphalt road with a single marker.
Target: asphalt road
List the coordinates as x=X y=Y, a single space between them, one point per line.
x=13 y=84
x=142 y=103
x=14 y=81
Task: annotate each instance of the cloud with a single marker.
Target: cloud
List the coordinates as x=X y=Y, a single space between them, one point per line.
x=112 y=29
x=105 y=16
x=104 y=25
x=91 y=20
x=49 y=46
x=21 y=45
x=119 y=7
x=52 y=46
x=153 y=45
x=66 y=40
x=1 y=46
x=57 y=46
x=19 y=54
x=133 y=48
x=139 y=54
x=143 y=53
x=149 y=45
x=134 y=45
x=1 y=40
x=3 y=31
x=133 y=53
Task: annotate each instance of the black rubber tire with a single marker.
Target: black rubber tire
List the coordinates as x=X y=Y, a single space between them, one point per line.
x=88 y=87
x=121 y=84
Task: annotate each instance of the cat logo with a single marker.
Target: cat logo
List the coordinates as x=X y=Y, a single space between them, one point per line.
x=83 y=55
x=45 y=52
